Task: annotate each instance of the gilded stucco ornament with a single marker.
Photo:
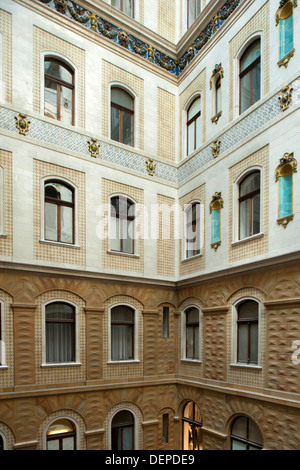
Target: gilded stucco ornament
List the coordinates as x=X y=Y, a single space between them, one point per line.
x=285 y=220
x=281 y=5
x=151 y=166
x=288 y=158
x=22 y=123
x=217 y=202
x=285 y=98
x=217 y=71
x=216 y=148
x=123 y=38
x=94 y=147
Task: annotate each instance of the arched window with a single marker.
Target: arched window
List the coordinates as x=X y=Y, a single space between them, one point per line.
x=193 y=11
x=122 y=116
x=191 y=429
x=1 y=443
x=194 y=125
x=122 y=431
x=60 y=332
x=122 y=224
x=192 y=333
x=192 y=228
x=59 y=212
x=249 y=205
x=122 y=333
x=59 y=91
x=250 y=76
x=247 y=332
x=245 y=434
x=61 y=435
x=126 y=6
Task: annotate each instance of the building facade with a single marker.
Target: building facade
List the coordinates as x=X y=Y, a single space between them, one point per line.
x=149 y=224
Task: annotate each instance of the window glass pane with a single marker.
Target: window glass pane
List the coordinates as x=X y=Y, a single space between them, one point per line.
x=68 y=443
x=53 y=444
x=218 y=96
x=115 y=242
x=254 y=433
x=128 y=7
x=58 y=191
x=121 y=98
x=122 y=313
x=121 y=342
x=115 y=124
x=59 y=342
x=243 y=343
x=245 y=219
x=57 y=70
x=254 y=343
x=249 y=184
x=127 y=129
x=189 y=342
x=191 y=12
x=122 y=418
x=191 y=138
x=66 y=105
x=198 y=6
x=165 y=436
x=239 y=427
x=165 y=322
x=216 y=225
x=250 y=55
x=198 y=132
x=286 y=36
x=127 y=438
x=194 y=109
x=256 y=214
x=66 y=224
x=51 y=222
x=61 y=311
x=285 y=195
x=236 y=445
x=248 y=310
x=256 y=84
x=127 y=236
x=116 y=4
x=50 y=105
x=245 y=92
x=192 y=316
x=196 y=351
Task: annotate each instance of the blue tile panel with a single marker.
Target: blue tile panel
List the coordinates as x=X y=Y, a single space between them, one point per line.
x=68 y=140
x=104 y=28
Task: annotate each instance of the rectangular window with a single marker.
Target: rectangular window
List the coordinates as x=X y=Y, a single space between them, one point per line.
x=165 y=322
x=286 y=36
x=165 y=436
x=216 y=225
x=285 y=195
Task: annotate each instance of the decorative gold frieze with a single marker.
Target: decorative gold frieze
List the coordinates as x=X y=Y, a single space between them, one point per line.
x=22 y=123
x=285 y=220
x=216 y=148
x=151 y=166
x=285 y=98
x=288 y=158
x=94 y=147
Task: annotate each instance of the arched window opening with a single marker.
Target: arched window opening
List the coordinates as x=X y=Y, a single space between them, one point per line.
x=192 y=227
x=245 y=434
x=122 y=224
x=59 y=91
x=250 y=76
x=59 y=212
x=122 y=116
x=60 y=333
x=247 y=332
x=192 y=333
x=191 y=427
x=249 y=205
x=122 y=431
x=194 y=125
x=61 y=435
x=122 y=333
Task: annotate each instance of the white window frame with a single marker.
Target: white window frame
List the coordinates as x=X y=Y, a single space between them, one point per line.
x=76 y=210
x=135 y=9
x=183 y=334
x=197 y=94
x=184 y=231
x=127 y=89
x=236 y=209
x=63 y=58
x=135 y=334
x=136 y=225
x=63 y=416
x=77 y=333
x=236 y=88
x=234 y=317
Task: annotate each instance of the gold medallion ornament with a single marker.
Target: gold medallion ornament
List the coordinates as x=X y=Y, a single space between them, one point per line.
x=22 y=123
x=94 y=147
x=216 y=148
x=285 y=98
x=150 y=166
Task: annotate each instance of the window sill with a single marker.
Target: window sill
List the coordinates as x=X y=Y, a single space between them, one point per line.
x=122 y=253
x=246 y=366
x=248 y=239
x=68 y=245
x=2 y=235
x=3 y=367
x=61 y=364
x=192 y=257
x=125 y=361
x=194 y=361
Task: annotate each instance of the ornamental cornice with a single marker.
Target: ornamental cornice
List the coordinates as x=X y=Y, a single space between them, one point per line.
x=133 y=41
